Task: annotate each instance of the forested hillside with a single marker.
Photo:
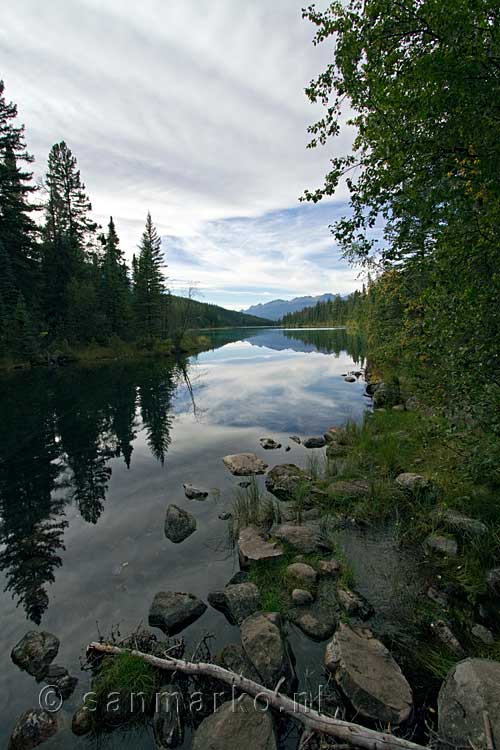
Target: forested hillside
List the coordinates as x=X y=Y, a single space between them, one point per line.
x=422 y=81
x=206 y=315
x=335 y=312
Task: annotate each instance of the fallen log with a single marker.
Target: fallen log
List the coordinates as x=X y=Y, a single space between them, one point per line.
x=346 y=732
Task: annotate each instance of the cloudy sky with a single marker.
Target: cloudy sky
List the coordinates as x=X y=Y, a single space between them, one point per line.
x=194 y=110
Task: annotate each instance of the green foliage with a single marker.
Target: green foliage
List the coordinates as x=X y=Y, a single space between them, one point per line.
x=148 y=284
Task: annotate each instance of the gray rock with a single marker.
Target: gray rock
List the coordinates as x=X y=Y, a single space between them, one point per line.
x=194 y=493
x=368 y=676
x=171 y=611
x=459 y=522
x=225 y=516
x=81 y=723
x=350 y=379
x=493 y=581
x=244 y=464
x=300 y=575
x=443 y=545
x=329 y=568
x=315 y=442
x=168 y=728
x=353 y=603
x=283 y=480
x=483 y=634
x=304 y=538
x=32 y=728
x=35 y=651
x=413 y=483
x=244 y=725
x=445 y=634
x=319 y=619
x=302 y=597
x=412 y=403
x=237 y=601
x=471 y=688
x=253 y=546
x=295 y=439
x=264 y=644
x=355 y=489
x=179 y=524
x=61 y=679
x=233 y=657
x=269 y=444
x=292 y=512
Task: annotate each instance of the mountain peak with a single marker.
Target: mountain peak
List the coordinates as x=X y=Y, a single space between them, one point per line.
x=276 y=308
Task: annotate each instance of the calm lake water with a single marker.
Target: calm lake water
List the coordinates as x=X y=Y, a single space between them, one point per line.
x=90 y=459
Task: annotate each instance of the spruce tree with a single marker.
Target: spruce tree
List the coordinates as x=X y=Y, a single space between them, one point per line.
x=23 y=338
x=115 y=289
x=149 y=284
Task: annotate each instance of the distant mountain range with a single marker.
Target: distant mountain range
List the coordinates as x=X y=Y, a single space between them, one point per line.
x=275 y=309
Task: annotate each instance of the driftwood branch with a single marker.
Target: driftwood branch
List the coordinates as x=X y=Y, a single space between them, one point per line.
x=350 y=734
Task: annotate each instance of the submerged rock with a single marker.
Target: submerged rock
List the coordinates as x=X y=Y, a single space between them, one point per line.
x=254 y=546
x=194 y=493
x=283 y=481
x=269 y=444
x=315 y=442
x=244 y=464
x=168 y=728
x=237 y=601
x=443 y=545
x=318 y=620
x=35 y=651
x=81 y=723
x=266 y=647
x=471 y=688
x=171 y=611
x=368 y=676
x=304 y=538
x=60 y=678
x=300 y=575
x=32 y=728
x=179 y=524
x=241 y=725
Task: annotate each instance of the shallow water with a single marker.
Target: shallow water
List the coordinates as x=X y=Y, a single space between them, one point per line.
x=90 y=459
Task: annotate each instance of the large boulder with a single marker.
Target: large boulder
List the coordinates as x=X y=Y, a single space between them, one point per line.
x=266 y=647
x=471 y=688
x=304 y=538
x=269 y=444
x=168 y=728
x=244 y=724
x=245 y=464
x=368 y=676
x=300 y=575
x=237 y=601
x=35 y=651
x=283 y=480
x=179 y=524
x=172 y=611
x=253 y=546
x=32 y=728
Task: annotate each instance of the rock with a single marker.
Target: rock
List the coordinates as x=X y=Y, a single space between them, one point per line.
x=193 y=493
x=315 y=442
x=350 y=379
x=287 y=449
x=328 y=568
x=244 y=725
x=225 y=516
x=441 y=544
x=305 y=539
x=413 y=483
x=237 y=601
x=233 y=657
x=241 y=576
x=493 y=581
x=412 y=403
x=245 y=464
x=253 y=546
x=301 y=597
x=353 y=603
x=61 y=679
x=295 y=439
x=459 y=522
x=32 y=728
x=483 y=634
x=292 y=512
x=265 y=646
x=447 y=637
x=269 y=444
x=168 y=729
x=35 y=651
x=368 y=676
x=171 y=611
x=471 y=688
x=283 y=480
x=356 y=489
x=179 y=524
x=81 y=723
x=318 y=620
x=300 y=575
x=372 y=387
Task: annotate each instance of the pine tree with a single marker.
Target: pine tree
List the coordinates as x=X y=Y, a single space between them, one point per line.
x=149 y=284
x=115 y=288
x=18 y=231
x=23 y=339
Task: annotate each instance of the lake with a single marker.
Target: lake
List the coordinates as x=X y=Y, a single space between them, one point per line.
x=92 y=456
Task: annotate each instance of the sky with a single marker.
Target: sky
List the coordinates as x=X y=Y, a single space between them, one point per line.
x=194 y=110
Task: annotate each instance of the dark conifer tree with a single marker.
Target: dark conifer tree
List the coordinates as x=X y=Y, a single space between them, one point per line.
x=115 y=287
x=149 y=284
